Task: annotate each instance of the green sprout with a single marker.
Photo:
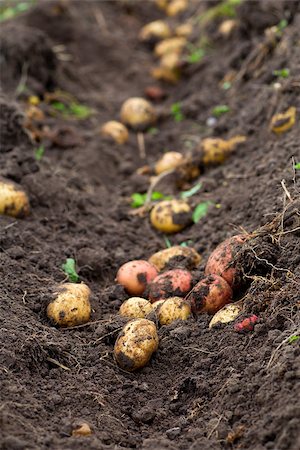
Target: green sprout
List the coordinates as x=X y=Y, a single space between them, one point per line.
x=10 y=9
x=297 y=166
x=200 y=211
x=69 y=268
x=73 y=109
x=282 y=73
x=167 y=242
x=293 y=339
x=195 y=55
x=39 y=153
x=226 y=85
x=177 y=112
x=281 y=26
x=219 y=110
x=227 y=8
x=192 y=191
x=139 y=200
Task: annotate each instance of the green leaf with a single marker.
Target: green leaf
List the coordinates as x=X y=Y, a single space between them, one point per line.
x=282 y=73
x=196 y=56
x=293 y=339
x=186 y=243
x=226 y=85
x=153 y=131
x=297 y=166
x=282 y=25
x=39 y=153
x=69 y=269
x=79 y=111
x=167 y=242
x=219 y=110
x=176 y=112
x=138 y=200
x=200 y=211
x=192 y=191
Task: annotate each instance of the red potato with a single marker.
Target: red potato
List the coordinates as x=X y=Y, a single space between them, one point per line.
x=221 y=260
x=209 y=295
x=173 y=283
x=135 y=275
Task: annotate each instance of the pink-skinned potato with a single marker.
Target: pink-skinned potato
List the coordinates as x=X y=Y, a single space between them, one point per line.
x=209 y=295
x=173 y=283
x=135 y=275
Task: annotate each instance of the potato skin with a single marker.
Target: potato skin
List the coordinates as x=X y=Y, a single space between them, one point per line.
x=169 y=161
x=171 y=216
x=226 y=314
x=176 y=282
x=135 y=344
x=71 y=306
x=173 y=308
x=116 y=131
x=13 y=200
x=209 y=295
x=135 y=275
x=136 y=308
x=221 y=260
x=186 y=256
x=138 y=113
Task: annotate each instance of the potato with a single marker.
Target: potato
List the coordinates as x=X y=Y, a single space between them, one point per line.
x=176 y=7
x=171 y=45
x=227 y=27
x=136 y=307
x=115 y=130
x=13 y=200
x=81 y=429
x=162 y=4
x=71 y=305
x=184 y=30
x=227 y=314
x=176 y=282
x=221 y=260
x=282 y=122
x=169 y=161
x=173 y=308
x=164 y=74
x=135 y=275
x=170 y=61
x=171 y=216
x=135 y=344
x=156 y=305
x=138 y=113
x=217 y=150
x=186 y=256
x=209 y=295
x=155 y=30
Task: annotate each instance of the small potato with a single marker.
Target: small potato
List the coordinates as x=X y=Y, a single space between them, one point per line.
x=171 y=45
x=135 y=344
x=227 y=27
x=135 y=275
x=176 y=282
x=13 y=200
x=171 y=216
x=156 y=305
x=136 y=308
x=186 y=256
x=155 y=31
x=116 y=131
x=173 y=308
x=170 y=61
x=176 y=7
x=171 y=76
x=184 y=30
x=221 y=260
x=138 y=113
x=169 y=161
x=227 y=314
x=71 y=305
x=217 y=150
x=81 y=429
x=209 y=295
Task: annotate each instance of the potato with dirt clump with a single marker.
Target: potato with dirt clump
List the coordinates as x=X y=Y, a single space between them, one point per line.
x=225 y=315
x=185 y=256
x=155 y=31
x=209 y=295
x=135 y=344
x=169 y=161
x=116 y=131
x=138 y=113
x=13 y=200
x=135 y=275
x=136 y=308
x=174 y=308
x=176 y=282
x=71 y=305
x=217 y=150
x=171 y=216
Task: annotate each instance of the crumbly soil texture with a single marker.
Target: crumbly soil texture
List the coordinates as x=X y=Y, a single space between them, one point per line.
x=204 y=388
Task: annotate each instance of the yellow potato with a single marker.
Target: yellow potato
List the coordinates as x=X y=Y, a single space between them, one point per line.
x=71 y=305
x=162 y=4
x=171 y=216
x=217 y=150
x=156 y=305
x=170 y=60
x=171 y=76
x=135 y=344
x=227 y=26
x=169 y=161
x=173 y=308
x=155 y=30
x=184 y=30
x=115 y=130
x=13 y=200
x=189 y=256
x=176 y=7
x=136 y=308
x=227 y=314
x=171 y=45
x=138 y=113
x=81 y=429
x=280 y=123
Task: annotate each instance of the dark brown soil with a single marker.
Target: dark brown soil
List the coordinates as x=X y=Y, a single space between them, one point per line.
x=203 y=389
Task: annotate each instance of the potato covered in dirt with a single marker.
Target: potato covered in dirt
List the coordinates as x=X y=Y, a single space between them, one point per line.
x=221 y=260
x=136 y=308
x=227 y=314
x=116 y=131
x=217 y=150
x=13 y=200
x=171 y=216
x=135 y=344
x=71 y=305
x=138 y=113
x=185 y=256
x=209 y=295
x=135 y=275
x=169 y=161
x=154 y=31
x=173 y=283
x=174 y=308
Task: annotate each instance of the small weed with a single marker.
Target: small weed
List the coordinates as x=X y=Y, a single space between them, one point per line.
x=226 y=85
x=69 y=268
x=192 y=191
x=293 y=339
x=177 y=112
x=227 y=8
x=73 y=109
x=297 y=166
x=281 y=26
x=195 y=55
x=219 y=110
x=186 y=243
x=282 y=73
x=200 y=211
x=139 y=200
x=167 y=242
x=10 y=9
x=39 y=153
